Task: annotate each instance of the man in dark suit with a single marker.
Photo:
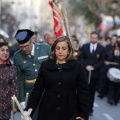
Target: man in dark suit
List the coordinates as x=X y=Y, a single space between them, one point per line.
x=92 y=56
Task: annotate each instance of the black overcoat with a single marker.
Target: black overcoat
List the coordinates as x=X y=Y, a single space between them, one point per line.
x=62 y=91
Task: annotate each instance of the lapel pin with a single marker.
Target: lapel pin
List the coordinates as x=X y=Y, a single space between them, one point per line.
x=24 y=62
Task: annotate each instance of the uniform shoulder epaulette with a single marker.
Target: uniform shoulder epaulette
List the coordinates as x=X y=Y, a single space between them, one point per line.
x=17 y=52
x=43 y=43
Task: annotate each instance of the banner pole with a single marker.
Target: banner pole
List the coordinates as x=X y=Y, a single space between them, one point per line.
x=65 y=18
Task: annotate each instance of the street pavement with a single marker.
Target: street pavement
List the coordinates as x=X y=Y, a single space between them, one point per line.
x=105 y=111
x=102 y=111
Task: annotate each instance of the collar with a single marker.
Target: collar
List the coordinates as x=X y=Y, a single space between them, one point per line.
x=116 y=52
x=33 y=50
x=8 y=63
x=95 y=45
x=52 y=65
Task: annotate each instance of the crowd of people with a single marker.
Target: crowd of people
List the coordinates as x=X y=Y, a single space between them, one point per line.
x=107 y=85
x=61 y=77
x=101 y=60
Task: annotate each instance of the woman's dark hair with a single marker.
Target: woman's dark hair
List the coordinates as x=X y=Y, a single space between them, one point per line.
x=107 y=38
x=3 y=44
x=61 y=39
x=75 y=39
x=118 y=44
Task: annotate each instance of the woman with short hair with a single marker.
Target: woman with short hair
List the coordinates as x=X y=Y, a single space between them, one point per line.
x=61 y=86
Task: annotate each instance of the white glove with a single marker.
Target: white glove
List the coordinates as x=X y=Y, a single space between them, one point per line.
x=27 y=115
x=79 y=118
x=22 y=105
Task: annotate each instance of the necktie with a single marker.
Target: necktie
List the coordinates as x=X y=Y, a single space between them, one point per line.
x=93 y=50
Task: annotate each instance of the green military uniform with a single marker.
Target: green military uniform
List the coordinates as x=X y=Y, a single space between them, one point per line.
x=28 y=67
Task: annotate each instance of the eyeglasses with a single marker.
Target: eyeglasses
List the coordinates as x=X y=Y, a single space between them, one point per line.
x=26 y=46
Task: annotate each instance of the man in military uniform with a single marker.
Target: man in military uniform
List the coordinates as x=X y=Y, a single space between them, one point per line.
x=28 y=61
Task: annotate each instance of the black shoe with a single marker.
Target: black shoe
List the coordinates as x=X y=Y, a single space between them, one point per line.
x=111 y=102
x=115 y=103
x=90 y=114
x=101 y=96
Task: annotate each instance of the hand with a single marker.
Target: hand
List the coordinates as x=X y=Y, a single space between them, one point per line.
x=14 y=110
x=107 y=62
x=79 y=118
x=89 y=68
x=27 y=115
x=22 y=105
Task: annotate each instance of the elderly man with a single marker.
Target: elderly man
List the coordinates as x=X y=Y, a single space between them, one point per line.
x=28 y=61
x=49 y=38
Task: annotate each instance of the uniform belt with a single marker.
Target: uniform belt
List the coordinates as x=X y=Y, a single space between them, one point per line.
x=32 y=81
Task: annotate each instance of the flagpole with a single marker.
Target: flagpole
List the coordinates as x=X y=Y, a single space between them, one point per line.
x=58 y=27
x=61 y=7
x=65 y=18
x=57 y=2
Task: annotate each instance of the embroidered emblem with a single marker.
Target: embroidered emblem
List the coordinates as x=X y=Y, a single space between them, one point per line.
x=98 y=56
x=24 y=62
x=43 y=57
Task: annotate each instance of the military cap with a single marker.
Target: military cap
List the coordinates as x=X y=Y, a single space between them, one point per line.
x=23 y=35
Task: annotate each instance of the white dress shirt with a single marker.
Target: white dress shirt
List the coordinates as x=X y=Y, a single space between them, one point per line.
x=33 y=50
x=93 y=47
x=116 y=52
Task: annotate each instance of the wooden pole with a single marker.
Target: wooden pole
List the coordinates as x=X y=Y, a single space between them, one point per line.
x=89 y=77
x=65 y=19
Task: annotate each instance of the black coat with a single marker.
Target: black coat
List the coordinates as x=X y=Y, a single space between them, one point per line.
x=113 y=58
x=95 y=59
x=108 y=49
x=62 y=91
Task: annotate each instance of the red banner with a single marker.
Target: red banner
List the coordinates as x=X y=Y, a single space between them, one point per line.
x=57 y=19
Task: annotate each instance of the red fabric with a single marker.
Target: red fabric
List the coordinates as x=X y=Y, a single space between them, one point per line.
x=57 y=20
x=7 y=63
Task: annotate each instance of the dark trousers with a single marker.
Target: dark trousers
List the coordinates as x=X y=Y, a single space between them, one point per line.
x=92 y=88
x=114 y=91
x=104 y=81
x=4 y=119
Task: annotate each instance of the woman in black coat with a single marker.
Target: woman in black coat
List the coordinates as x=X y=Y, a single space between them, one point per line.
x=61 y=87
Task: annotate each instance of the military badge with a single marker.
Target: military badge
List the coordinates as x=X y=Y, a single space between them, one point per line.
x=24 y=62
x=98 y=56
